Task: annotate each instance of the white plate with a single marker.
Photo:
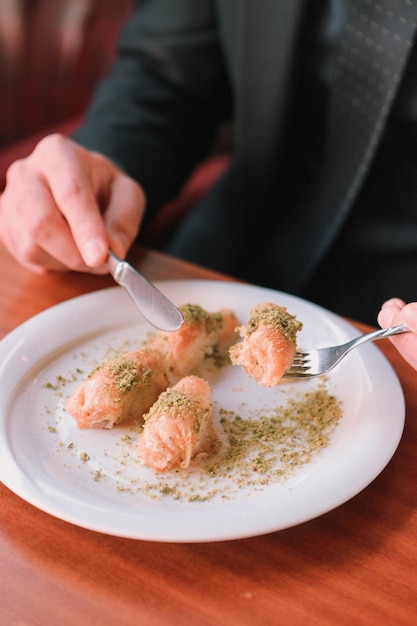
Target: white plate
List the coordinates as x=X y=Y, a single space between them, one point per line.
x=40 y=446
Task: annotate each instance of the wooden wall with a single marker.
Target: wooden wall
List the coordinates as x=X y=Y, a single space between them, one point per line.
x=52 y=52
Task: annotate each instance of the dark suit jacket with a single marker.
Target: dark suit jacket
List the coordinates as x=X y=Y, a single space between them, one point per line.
x=184 y=67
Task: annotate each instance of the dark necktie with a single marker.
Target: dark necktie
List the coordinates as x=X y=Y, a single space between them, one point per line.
x=374 y=48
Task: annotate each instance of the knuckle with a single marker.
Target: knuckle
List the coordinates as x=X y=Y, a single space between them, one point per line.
x=39 y=226
x=16 y=170
x=53 y=142
x=28 y=252
x=102 y=160
x=70 y=188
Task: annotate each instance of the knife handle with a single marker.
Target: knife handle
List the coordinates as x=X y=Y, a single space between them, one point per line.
x=155 y=307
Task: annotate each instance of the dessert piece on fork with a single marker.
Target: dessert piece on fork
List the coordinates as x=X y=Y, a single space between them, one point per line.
x=269 y=343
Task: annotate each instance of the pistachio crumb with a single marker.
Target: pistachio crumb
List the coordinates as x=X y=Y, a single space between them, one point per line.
x=276 y=316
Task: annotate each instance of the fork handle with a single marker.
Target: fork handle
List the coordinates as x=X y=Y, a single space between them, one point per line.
x=381 y=333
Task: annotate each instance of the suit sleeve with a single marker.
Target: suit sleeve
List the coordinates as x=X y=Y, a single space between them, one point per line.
x=156 y=113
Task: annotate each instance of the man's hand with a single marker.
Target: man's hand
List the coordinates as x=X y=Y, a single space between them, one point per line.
x=63 y=207
x=395 y=312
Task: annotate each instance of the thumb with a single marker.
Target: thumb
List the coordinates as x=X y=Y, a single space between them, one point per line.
x=408 y=316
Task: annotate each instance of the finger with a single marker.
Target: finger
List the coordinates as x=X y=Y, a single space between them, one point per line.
x=73 y=192
x=123 y=213
x=46 y=237
x=408 y=316
x=389 y=313
x=31 y=225
x=398 y=313
x=407 y=346
x=40 y=238
x=386 y=317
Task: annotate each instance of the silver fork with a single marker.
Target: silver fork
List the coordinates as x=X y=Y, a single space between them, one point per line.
x=318 y=362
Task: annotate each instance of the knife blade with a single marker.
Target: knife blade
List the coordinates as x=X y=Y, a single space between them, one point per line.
x=155 y=307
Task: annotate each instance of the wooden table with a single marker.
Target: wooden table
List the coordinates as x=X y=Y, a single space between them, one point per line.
x=355 y=565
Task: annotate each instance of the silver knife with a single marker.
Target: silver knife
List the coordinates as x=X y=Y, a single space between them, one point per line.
x=154 y=306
